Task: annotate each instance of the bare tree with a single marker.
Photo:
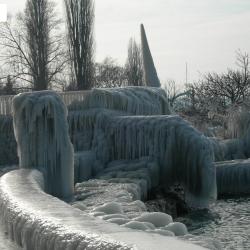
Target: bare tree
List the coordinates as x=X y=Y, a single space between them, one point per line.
x=232 y=86
x=109 y=74
x=80 y=22
x=133 y=67
x=33 y=47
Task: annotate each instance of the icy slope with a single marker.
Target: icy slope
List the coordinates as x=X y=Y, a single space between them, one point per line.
x=39 y=221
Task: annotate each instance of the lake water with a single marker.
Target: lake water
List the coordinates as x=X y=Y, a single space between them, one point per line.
x=227 y=221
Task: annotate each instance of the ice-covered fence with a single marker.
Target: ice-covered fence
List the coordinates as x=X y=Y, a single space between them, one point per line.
x=5 y=104
x=68 y=98
x=36 y=220
x=131 y=100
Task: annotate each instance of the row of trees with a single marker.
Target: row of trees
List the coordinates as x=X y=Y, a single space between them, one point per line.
x=36 y=54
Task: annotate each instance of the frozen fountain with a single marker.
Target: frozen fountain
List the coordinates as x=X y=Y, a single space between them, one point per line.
x=35 y=219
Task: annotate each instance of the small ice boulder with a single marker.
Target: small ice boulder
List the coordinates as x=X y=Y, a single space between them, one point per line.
x=156 y=218
x=113 y=216
x=137 y=225
x=109 y=208
x=118 y=221
x=178 y=228
x=97 y=214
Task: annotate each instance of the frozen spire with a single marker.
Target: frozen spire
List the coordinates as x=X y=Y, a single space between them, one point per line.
x=150 y=74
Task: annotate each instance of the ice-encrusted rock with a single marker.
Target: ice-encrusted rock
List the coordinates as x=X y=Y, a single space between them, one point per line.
x=156 y=218
x=41 y=131
x=178 y=228
x=150 y=74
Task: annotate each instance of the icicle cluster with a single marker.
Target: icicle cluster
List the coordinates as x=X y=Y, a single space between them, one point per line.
x=132 y=125
x=41 y=131
x=183 y=154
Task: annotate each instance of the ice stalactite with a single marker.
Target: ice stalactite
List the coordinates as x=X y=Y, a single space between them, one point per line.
x=41 y=131
x=150 y=73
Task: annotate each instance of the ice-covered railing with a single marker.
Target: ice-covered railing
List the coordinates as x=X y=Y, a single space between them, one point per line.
x=132 y=100
x=5 y=104
x=36 y=220
x=68 y=98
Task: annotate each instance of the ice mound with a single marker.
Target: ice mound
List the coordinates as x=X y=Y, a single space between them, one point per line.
x=178 y=228
x=156 y=218
x=41 y=131
x=109 y=208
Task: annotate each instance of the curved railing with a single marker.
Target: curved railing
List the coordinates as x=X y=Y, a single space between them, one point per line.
x=68 y=98
x=36 y=220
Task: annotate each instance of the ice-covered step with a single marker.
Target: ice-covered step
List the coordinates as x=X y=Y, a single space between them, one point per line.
x=233 y=177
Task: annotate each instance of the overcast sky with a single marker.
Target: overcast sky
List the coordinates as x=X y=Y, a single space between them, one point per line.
x=203 y=33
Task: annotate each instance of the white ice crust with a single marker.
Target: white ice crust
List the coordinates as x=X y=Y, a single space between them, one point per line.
x=36 y=220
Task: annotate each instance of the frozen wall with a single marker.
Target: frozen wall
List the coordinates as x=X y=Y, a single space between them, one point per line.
x=41 y=131
x=150 y=73
x=36 y=220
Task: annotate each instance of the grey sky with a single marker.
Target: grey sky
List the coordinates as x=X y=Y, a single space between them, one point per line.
x=204 y=33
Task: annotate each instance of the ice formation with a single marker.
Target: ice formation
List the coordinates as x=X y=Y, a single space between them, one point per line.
x=233 y=177
x=150 y=74
x=41 y=131
x=36 y=220
x=131 y=100
x=133 y=125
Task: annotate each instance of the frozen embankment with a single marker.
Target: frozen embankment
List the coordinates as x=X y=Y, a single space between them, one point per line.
x=36 y=220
